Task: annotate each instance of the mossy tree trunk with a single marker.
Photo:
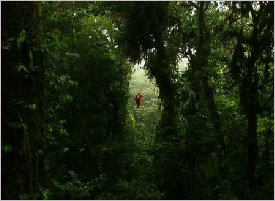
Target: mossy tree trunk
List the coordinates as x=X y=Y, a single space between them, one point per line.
x=23 y=70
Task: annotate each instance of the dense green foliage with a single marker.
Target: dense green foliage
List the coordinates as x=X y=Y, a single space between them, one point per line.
x=70 y=125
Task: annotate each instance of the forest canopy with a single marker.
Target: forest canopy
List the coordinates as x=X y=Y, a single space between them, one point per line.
x=203 y=126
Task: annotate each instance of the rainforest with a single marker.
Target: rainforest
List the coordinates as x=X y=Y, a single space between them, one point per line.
x=137 y=100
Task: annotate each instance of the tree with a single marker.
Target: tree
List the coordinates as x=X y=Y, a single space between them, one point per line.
x=71 y=131
x=251 y=51
x=24 y=68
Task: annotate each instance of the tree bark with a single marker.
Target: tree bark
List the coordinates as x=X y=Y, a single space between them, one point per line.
x=249 y=100
x=260 y=41
x=27 y=87
x=163 y=74
x=203 y=52
x=166 y=174
x=199 y=65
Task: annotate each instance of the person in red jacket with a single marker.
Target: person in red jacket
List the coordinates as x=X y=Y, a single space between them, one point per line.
x=138 y=99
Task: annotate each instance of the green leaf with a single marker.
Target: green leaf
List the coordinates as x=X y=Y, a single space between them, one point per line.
x=40 y=152
x=46 y=194
x=22 y=37
x=62 y=78
x=7 y=148
x=68 y=98
x=31 y=106
x=20 y=67
x=58 y=185
x=7 y=44
x=64 y=132
x=31 y=60
x=18 y=125
x=62 y=121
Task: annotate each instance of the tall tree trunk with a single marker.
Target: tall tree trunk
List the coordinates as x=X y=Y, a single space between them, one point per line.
x=167 y=174
x=163 y=74
x=203 y=52
x=25 y=87
x=199 y=65
x=249 y=100
x=261 y=39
